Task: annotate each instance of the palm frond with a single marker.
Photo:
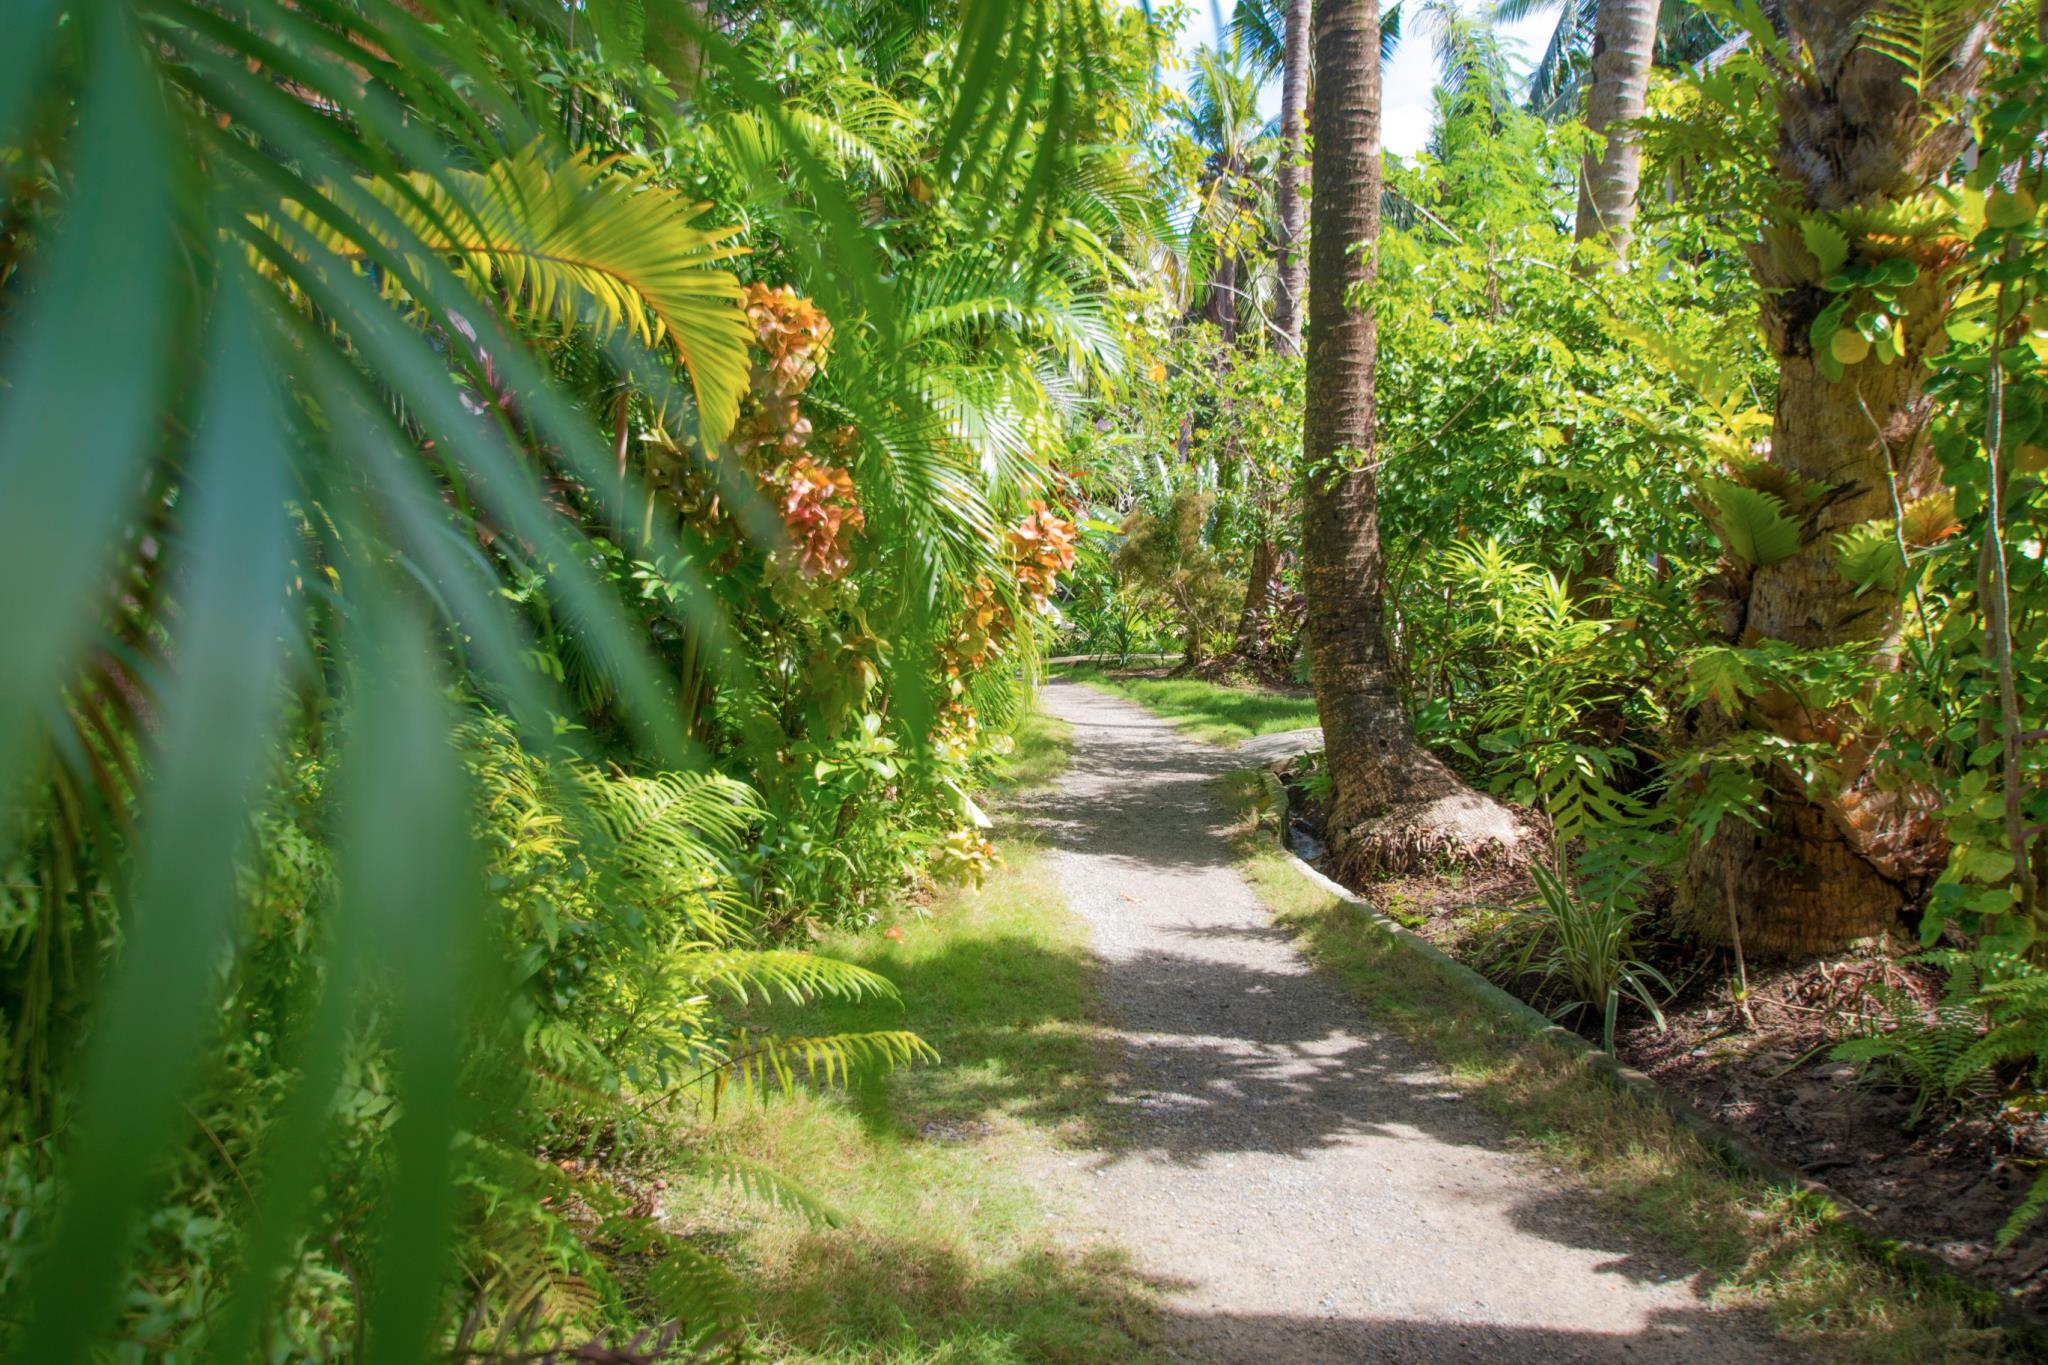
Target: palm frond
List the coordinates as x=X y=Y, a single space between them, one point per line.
x=763 y=1062
x=571 y=240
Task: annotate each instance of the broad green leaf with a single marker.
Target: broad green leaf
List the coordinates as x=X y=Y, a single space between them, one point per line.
x=1868 y=556
x=79 y=407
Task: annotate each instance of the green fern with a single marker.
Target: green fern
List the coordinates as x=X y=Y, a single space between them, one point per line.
x=668 y=839
x=762 y=1062
x=2023 y=1217
x=867 y=130
x=1923 y=36
x=768 y=1187
x=1934 y=1055
x=1868 y=556
x=1719 y=674
x=797 y=977
x=2016 y=1004
x=1753 y=525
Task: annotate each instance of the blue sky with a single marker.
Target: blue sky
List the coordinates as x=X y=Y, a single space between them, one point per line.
x=1409 y=77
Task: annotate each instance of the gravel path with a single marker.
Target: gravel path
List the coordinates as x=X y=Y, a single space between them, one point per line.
x=1305 y=1185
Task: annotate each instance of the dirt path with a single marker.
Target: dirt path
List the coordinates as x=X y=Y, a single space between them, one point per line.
x=1307 y=1185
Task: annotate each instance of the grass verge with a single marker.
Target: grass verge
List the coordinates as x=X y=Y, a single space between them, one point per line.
x=945 y=1251
x=1828 y=1286
x=1209 y=711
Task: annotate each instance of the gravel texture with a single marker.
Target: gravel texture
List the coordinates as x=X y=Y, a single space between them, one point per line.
x=1302 y=1184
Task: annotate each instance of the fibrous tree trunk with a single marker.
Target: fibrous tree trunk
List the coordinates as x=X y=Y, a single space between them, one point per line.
x=1394 y=805
x=1287 y=309
x=1220 y=307
x=1858 y=146
x=1254 y=622
x=1624 y=41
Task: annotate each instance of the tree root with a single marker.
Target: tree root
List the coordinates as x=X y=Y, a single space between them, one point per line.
x=1461 y=829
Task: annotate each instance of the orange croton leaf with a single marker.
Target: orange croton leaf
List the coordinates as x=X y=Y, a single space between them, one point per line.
x=822 y=513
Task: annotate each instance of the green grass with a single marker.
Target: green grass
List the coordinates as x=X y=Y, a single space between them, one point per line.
x=1825 y=1284
x=1215 y=712
x=948 y=1251
x=1044 y=746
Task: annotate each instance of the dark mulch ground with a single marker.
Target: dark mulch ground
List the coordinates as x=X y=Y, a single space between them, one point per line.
x=1945 y=1184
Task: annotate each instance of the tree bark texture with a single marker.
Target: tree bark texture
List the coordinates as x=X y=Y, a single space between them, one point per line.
x=1288 y=308
x=1624 y=41
x=1220 y=307
x=1855 y=143
x=1394 y=805
x=1255 y=620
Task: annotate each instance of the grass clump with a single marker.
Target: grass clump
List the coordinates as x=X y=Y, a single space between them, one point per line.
x=945 y=1248
x=1827 y=1285
x=1216 y=712
x=1044 y=745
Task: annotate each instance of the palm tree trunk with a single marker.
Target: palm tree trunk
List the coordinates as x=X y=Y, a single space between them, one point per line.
x=1287 y=309
x=1852 y=146
x=1221 y=305
x=1393 y=806
x=1253 y=621
x=1624 y=40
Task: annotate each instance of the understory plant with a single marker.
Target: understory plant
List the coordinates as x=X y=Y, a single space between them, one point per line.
x=1582 y=950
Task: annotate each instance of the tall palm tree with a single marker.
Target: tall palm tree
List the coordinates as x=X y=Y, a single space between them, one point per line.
x=1223 y=118
x=1292 y=277
x=1261 y=26
x=1624 y=41
x=1685 y=34
x=1293 y=145
x=1393 y=802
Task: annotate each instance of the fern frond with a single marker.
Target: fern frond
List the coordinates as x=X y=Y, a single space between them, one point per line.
x=870 y=131
x=769 y=1187
x=1921 y=35
x=1868 y=556
x=761 y=1062
x=1752 y=525
x=693 y=1289
x=796 y=976
x=2023 y=1217
x=1077 y=328
x=1934 y=1054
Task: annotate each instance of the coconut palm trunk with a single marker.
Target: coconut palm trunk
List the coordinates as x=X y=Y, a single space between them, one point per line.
x=1287 y=310
x=1394 y=806
x=1857 y=148
x=1254 y=620
x=1624 y=41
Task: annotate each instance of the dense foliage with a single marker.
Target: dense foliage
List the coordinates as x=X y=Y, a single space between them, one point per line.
x=573 y=505
x=522 y=518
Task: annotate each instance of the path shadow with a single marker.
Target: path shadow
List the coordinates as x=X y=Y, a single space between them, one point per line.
x=1678 y=1336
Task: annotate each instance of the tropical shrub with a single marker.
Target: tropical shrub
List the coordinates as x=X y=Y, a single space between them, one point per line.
x=1166 y=557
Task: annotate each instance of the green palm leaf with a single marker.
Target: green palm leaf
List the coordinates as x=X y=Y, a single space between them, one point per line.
x=583 y=243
